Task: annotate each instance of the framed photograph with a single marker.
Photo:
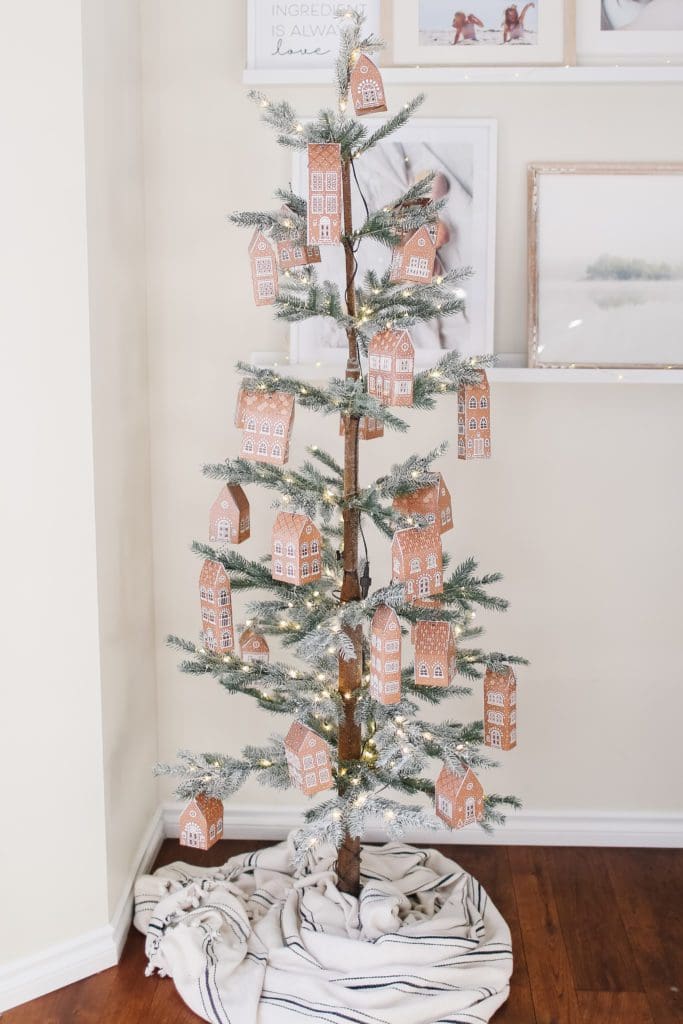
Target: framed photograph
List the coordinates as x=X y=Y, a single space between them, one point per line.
x=485 y=32
x=606 y=265
x=630 y=31
x=294 y=35
x=463 y=155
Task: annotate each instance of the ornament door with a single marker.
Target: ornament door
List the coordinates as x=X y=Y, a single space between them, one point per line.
x=495 y=738
x=479 y=446
x=192 y=835
x=469 y=809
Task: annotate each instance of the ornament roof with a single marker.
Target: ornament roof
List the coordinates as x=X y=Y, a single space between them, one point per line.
x=415 y=540
x=213 y=574
x=257 y=239
x=385 y=620
x=503 y=678
x=324 y=156
x=235 y=496
x=431 y=637
x=298 y=735
x=256 y=641
x=210 y=808
x=387 y=342
x=453 y=779
x=277 y=404
x=293 y=524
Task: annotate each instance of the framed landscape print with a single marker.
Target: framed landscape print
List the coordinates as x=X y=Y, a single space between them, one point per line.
x=485 y=32
x=606 y=265
x=630 y=31
x=463 y=155
x=282 y=34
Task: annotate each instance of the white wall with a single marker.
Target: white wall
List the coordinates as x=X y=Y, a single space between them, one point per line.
x=580 y=506
x=118 y=320
x=53 y=827
x=77 y=730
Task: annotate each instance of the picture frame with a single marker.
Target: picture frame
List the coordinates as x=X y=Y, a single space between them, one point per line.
x=629 y=31
x=425 y=32
x=605 y=265
x=464 y=153
x=294 y=36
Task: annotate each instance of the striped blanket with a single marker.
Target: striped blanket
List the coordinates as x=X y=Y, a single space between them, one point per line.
x=255 y=942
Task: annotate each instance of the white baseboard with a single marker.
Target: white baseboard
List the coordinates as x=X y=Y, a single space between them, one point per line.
x=540 y=828
x=60 y=965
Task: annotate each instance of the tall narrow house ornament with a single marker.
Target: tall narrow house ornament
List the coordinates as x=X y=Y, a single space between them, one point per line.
x=264 y=277
x=433 y=502
x=215 y=597
x=324 y=193
x=308 y=760
x=474 y=419
x=266 y=420
x=500 y=709
x=229 y=516
x=367 y=87
x=391 y=367
x=385 y=652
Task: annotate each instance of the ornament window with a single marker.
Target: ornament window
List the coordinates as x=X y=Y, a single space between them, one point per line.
x=391 y=666
x=445 y=806
x=495 y=717
x=414 y=564
x=278 y=547
x=483 y=423
x=331 y=181
x=324 y=775
x=265 y=427
x=290 y=571
x=392 y=646
x=308 y=761
x=262 y=448
x=317 y=204
x=423 y=586
x=223 y=530
x=226 y=639
x=225 y=618
x=248 y=446
x=314 y=547
x=279 y=430
x=472 y=402
x=310 y=779
x=317 y=181
x=209 y=594
x=264 y=266
x=278 y=568
x=331 y=204
x=473 y=424
x=305 y=571
x=304 y=550
x=438 y=672
x=277 y=451
x=431 y=561
x=483 y=402
x=315 y=567
x=496 y=699
x=404 y=365
x=423 y=670
x=202 y=594
x=223 y=597
x=290 y=550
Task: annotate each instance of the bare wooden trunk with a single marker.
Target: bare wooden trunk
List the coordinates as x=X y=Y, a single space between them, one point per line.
x=350 y=672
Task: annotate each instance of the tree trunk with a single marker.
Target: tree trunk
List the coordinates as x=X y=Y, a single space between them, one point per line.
x=350 y=672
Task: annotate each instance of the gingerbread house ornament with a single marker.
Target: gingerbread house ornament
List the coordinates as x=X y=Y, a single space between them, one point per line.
x=253 y=646
x=474 y=419
x=266 y=419
x=367 y=87
x=215 y=597
x=417 y=561
x=229 y=516
x=413 y=258
x=368 y=428
x=324 y=193
x=459 y=797
x=292 y=253
x=391 y=367
x=201 y=822
x=435 y=655
x=264 y=277
x=433 y=502
x=308 y=760
x=500 y=709
x=385 y=651
x=296 y=549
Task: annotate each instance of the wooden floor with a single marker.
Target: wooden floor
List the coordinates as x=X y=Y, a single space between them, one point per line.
x=597 y=937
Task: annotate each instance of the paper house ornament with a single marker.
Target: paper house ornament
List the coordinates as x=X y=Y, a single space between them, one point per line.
x=391 y=366
x=500 y=709
x=367 y=87
x=368 y=428
x=201 y=823
x=308 y=759
x=434 y=654
x=385 y=651
x=433 y=502
x=266 y=419
x=253 y=646
x=215 y=597
x=324 y=193
x=263 y=270
x=296 y=549
x=474 y=419
x=459 y=797
x=417 y=561
x=294 y=254
x=413 y=258
x=229 y=516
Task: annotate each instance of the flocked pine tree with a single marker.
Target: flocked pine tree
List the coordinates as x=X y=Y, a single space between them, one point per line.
x=369 y=736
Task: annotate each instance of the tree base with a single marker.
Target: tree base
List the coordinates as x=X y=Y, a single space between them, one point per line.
x=261 y=942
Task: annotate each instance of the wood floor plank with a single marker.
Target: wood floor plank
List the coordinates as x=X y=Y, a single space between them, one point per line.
x=614 y=1008
x=549 y=967
x=648 y=885
x=491 y=866
x=594 y=934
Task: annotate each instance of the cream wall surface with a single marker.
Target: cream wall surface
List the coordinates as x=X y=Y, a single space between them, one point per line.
x=581 y=506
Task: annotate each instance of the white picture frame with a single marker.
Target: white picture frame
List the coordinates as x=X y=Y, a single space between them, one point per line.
x=465 y=152
x=611 y=35
x=546 y=38
x=294 y=40
x=606 y=265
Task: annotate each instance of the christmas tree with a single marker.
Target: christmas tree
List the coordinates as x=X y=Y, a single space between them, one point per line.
x=353 y=708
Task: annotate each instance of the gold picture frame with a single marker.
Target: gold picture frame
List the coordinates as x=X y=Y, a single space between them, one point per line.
x=617 y=287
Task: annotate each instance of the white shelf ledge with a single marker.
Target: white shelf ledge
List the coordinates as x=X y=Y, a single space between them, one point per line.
x=613 y=74
x=502 y=374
